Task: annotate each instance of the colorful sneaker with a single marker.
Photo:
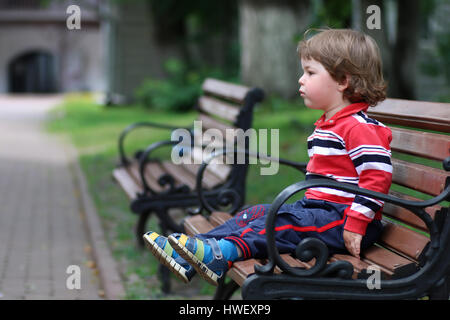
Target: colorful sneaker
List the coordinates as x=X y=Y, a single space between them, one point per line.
x=164 y=252
x=211 y=267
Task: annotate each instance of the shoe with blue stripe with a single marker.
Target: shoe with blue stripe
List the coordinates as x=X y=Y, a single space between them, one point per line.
x=197 y=252
x=165 y=254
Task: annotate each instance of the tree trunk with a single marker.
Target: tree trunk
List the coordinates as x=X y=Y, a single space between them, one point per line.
x=268 y=34
x=381 y=36
x=404 y=60
x=399 y=55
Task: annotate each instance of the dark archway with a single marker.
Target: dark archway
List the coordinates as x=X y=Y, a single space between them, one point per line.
x=32 y=72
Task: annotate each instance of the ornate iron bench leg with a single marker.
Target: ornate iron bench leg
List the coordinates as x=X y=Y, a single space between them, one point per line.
x=441 y=290
x=225 y=290
x=164 y=276
x=140 y=228
x=164 y=273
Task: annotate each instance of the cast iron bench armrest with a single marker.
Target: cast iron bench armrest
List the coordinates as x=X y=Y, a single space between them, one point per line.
x=123 y=159
x=143 y=161
x=228 y=194
x=316 y=247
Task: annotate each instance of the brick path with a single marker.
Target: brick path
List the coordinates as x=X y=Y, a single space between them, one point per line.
x=42 y=221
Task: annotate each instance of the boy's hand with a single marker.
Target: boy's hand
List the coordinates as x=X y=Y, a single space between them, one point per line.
x=352 y=242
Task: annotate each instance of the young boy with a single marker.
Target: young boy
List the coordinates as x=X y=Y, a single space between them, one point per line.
x=342 y=76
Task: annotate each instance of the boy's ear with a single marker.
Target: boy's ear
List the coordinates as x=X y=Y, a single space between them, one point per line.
x=344 y=83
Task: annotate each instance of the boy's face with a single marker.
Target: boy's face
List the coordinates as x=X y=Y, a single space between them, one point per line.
x=318 y=89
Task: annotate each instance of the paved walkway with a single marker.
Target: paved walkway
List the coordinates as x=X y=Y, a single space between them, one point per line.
x=44 y=223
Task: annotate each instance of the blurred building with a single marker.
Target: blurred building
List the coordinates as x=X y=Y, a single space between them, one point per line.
x=38 y=53
x=113 y=52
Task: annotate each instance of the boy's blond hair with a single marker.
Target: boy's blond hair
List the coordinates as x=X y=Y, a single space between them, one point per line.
x=347 y=52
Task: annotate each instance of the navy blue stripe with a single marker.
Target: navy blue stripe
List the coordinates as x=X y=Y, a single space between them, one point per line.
x=312 y=176
x=367 y=203
x=325 y=144
x=371 y=158
x=367 y=148
x=330 y=134
x=367 y=119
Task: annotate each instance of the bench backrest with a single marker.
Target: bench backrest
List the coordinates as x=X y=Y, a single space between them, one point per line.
x=223 y=106
x=421 y=141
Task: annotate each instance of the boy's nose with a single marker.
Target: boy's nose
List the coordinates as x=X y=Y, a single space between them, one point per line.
x=300 y=81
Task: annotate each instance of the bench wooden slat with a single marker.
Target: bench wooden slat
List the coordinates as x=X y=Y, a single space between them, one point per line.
x=358 y=265
x=424 y=144
x=210 y=180
x=218 y=108
x=180 y=174
x=225 y=90
x=154 y=170
x=221 y=170
x=152 y=173
x=211 y=123
x=406 y=216
x=197 y=224
x=183 y=174
x=417 y=114
x=419 y=177
x=242 y=269
x=403 y=240
x=387 y=260
x=216 y=142
x=126 y=182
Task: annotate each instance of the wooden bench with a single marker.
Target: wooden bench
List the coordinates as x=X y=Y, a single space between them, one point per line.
x=413 y=253
x=156 y=185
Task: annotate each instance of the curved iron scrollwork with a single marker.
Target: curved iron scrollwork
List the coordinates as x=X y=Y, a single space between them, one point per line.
x=123 y=159
x=228 y=197
x=310 y=248
x=143 y=162
x=225 y=196
x=167 y=179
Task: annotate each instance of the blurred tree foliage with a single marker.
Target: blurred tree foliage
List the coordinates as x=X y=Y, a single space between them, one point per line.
x=179 y=91
x=206 y=35
x=332 y=13
x=196 y=24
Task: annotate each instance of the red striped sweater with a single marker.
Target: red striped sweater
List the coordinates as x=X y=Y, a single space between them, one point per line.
x=351 y=147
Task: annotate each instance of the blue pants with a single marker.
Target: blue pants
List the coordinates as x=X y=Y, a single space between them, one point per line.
x=304 y=218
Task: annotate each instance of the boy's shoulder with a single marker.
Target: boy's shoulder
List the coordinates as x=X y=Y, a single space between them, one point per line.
x=352 y=115
x=362 y=117
x=360 y=126
x=352 y=121
x=359 y=129
x=358 y=119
